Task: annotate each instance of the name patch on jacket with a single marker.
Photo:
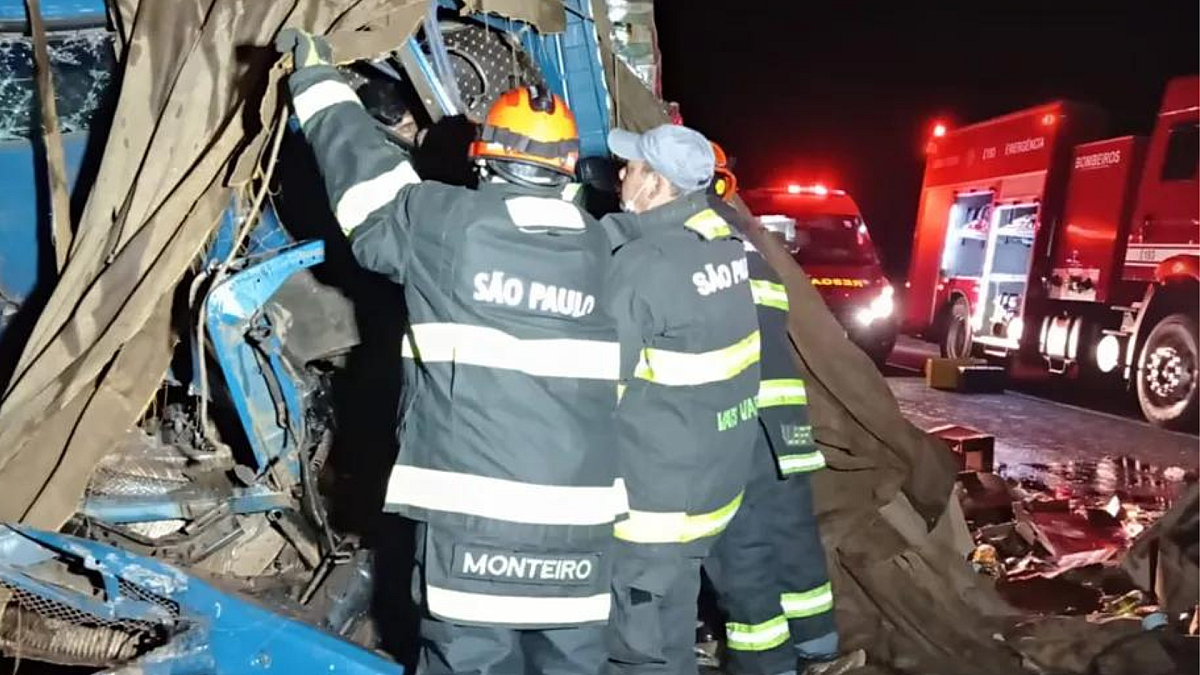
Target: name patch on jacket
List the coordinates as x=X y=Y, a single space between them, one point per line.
x=473 y=562
x=742 y=412
x=796 y=435
x=720 y=276
x=500 y=288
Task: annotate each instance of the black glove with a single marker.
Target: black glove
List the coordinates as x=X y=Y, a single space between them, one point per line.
x=306 y=49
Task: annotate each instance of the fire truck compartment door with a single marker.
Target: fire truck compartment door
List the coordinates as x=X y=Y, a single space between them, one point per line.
x=1090 y=245
x=1024 y=187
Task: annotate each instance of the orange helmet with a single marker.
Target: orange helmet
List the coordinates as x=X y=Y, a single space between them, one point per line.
x=724 y=182
x=532 y=126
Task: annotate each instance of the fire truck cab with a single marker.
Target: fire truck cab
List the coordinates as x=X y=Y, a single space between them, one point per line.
x=825 y=233
x=1063 y=255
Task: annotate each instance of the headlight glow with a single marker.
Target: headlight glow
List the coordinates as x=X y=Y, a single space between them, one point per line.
x=1015 y=328
x=1108 y=353
x=880 y=308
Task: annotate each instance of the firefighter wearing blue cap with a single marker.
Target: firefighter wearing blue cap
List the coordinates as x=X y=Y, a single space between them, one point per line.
x=687 y=419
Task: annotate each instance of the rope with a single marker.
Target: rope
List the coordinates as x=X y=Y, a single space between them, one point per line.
x=280 y=127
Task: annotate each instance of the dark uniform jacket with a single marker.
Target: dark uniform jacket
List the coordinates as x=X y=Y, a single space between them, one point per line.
x=686 y=422
x=782 y=398
x=511 y=365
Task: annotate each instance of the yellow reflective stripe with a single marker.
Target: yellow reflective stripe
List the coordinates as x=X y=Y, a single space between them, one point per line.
x=621 y=391
x=492 y=348
x=655 y=527
x=803 y=463
x=708 y=225
x=680 y=369
x=779 y=392
x=759 y=637
x=809 y=603
x=769 y=294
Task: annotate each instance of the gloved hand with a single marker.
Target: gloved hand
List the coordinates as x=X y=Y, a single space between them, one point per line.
x=306 y=49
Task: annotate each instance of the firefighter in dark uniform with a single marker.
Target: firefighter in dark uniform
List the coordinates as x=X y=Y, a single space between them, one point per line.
x=768 y=569
x=510 y=367
x=680 y=294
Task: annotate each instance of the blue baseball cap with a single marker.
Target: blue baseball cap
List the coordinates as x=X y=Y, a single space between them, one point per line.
x=682 y=155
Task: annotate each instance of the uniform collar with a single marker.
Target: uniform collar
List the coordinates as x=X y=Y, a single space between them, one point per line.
x=625 y=227
x=568 y=192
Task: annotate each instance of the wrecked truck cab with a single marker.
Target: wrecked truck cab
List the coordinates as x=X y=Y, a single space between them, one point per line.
x=248 y=463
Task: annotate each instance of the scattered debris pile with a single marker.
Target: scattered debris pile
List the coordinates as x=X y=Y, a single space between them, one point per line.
x=1054 y=535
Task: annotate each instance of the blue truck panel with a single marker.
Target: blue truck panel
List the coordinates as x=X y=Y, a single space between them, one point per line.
x=20 y=212
x=75 y=11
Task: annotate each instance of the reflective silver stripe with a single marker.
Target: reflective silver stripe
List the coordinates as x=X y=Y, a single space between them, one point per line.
x=679 y=369
x=507 y=500
x=320 y=96
x=363 y=199
x=492 y=348
x=540 y=212
x=809 y=461
x=516 y=609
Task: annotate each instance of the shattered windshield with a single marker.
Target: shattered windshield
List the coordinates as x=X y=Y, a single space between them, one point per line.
x=82 y=64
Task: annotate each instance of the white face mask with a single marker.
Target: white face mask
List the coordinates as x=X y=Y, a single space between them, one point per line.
x=630 y=205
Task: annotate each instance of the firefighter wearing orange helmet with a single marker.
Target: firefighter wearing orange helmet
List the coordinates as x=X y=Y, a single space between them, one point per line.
x=724 y=182
x=510 y=367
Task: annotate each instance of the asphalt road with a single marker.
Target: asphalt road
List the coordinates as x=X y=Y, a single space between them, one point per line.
x=1036 y=430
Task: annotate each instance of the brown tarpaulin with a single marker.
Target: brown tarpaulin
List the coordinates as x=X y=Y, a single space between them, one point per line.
x=198 y=102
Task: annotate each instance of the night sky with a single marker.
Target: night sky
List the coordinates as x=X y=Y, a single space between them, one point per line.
x=806 y=91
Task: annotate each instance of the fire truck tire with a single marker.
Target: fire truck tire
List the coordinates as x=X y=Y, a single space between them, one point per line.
x=957 y=336
x=1167 y=387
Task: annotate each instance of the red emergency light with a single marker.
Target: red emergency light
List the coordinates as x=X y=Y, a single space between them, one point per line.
x=939 y=130
x=817 y=189
x=1049 y=119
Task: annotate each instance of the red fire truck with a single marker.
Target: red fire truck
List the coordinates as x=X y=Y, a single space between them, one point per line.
x=1062 y=255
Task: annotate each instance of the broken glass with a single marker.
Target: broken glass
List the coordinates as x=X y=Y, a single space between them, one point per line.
x=82 y=65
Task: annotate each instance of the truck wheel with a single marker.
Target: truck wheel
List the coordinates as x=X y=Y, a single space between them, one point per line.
x=957 y=338
x=1166 y=378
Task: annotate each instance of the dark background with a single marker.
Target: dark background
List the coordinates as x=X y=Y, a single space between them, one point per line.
x=847 y=94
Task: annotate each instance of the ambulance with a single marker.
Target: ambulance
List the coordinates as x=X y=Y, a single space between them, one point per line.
x=826 y=234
